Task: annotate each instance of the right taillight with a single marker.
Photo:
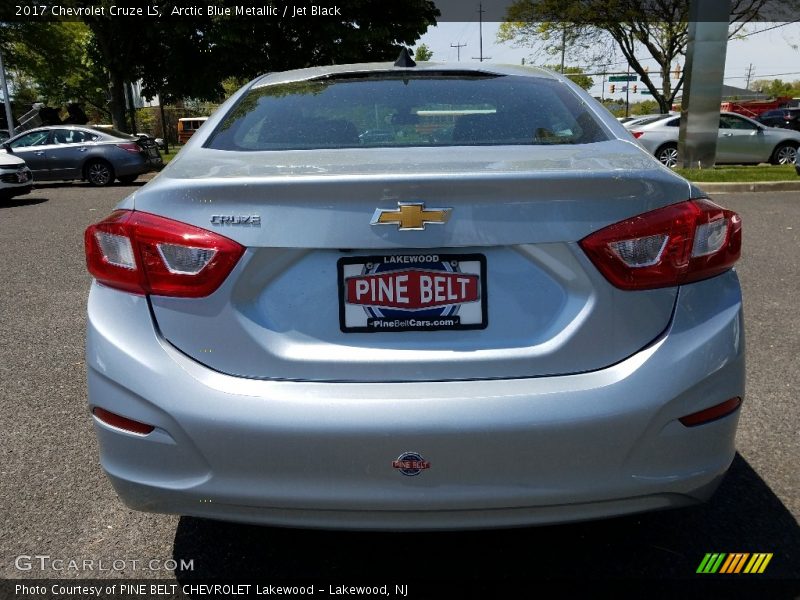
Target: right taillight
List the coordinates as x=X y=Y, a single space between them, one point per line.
x=147 y=254
x=666 y=247
x=637 y=134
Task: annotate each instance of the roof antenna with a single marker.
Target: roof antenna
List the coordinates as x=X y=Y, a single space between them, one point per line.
x=405 y=60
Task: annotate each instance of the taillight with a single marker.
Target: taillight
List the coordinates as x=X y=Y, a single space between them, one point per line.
x=130 y=147
x=666 y=247
x=637 y=134
x=146 y=254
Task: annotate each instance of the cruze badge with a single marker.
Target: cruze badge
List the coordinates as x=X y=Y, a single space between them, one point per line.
x=254 y=220
x=411 y=464
x=410 y=216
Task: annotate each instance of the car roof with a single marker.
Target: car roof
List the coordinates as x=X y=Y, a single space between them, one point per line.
x=387 y=67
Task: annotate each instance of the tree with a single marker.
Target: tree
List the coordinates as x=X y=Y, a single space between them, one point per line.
x=576 y=74
x=191 y=57
x=775 y=87
x=50 y=62
x=592 y=28
x=423 y=53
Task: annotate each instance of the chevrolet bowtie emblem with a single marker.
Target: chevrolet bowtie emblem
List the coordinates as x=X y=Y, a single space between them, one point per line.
x=410 y=216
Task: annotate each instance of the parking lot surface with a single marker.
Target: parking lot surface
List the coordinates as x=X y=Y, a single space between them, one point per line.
x=55 y=501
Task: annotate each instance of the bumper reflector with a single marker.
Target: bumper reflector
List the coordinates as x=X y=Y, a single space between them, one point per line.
x=711 y=414
x=115 y=420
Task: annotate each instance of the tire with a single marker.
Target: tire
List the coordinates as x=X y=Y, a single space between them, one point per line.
x=127 y=179
x=99 y=173
x=785 y=153
x=667 y=155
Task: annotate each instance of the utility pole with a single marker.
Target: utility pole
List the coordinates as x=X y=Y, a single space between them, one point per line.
x=749 y=75
x=480 y=56
x=7 y=102
x=563 y=45
x=458 y=50
x=627 y=92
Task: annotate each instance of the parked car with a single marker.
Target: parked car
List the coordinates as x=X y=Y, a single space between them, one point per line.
x=15 y=176
x=741 y=141
x=788 y=118
x=644 y=119
x=97 y=155
x=509 y=314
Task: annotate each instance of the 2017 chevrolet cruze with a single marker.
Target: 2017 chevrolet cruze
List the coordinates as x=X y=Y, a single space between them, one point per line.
x=500 y=311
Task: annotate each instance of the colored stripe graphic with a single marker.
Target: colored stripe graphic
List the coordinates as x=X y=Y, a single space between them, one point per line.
x=723 y=563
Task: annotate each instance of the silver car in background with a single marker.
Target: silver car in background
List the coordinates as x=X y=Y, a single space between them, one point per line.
x=96 y=155
x=500 y=311
x=740 y=140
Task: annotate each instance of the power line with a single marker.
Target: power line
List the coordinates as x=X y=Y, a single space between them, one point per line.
x=770 y=28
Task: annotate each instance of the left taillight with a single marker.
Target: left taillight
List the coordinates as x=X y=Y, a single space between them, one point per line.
x=144 y=253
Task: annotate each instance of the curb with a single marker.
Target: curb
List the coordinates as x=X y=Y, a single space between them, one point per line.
x=749 y=186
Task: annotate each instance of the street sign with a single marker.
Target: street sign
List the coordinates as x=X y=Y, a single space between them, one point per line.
x=623 y=78
x=646 y=93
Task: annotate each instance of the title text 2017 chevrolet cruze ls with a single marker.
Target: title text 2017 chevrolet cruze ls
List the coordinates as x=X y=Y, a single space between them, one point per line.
x=501 y=311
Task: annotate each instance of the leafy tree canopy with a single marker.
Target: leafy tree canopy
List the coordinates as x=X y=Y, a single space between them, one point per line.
x=592 y=31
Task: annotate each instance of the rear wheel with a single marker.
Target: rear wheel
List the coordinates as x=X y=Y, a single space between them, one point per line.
x=127 y=179
x=99 y=173
x=784 y=154
x=667 y=155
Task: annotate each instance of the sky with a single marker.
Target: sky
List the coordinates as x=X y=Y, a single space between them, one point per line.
x=768 y=47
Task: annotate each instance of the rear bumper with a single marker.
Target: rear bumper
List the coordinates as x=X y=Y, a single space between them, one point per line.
x=502 y=452
x=17 y=190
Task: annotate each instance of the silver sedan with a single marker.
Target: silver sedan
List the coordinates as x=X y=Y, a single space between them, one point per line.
x=500 y=311
x=96 y=155
x=740 y=140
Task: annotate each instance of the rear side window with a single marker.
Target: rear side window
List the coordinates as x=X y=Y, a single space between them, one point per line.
x=395 y=110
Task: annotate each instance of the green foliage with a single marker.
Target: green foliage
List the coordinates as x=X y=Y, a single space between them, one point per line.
x=576 y=74
x=645 y=107
x=51 y=62
x=200 y=57
x=776 y=87
x=423 y=53
x=591 y=30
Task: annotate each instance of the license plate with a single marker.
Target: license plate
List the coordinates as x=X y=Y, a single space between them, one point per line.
x=412 y=292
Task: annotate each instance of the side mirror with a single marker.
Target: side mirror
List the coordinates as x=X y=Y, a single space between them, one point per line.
x=7 y=147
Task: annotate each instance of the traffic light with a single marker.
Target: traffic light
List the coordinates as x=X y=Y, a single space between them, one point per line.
x=635 y=88
x=612 y=88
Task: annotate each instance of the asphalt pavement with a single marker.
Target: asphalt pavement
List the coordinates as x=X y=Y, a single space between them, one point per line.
x=56 y=502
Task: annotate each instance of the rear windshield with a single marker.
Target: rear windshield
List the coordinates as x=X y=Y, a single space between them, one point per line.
x=407 y=110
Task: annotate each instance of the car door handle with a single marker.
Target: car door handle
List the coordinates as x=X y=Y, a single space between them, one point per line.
x=82 y=149
x=39 y=153
x=728 y=134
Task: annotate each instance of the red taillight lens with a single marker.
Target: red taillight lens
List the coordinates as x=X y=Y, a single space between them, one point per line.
x=670 y=246
x=130 y=147
x=637 y=134
x=146 y=254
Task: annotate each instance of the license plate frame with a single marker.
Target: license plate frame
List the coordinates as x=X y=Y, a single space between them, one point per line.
x=457 y=270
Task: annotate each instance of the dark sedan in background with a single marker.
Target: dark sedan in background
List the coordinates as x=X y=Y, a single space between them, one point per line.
x=788 y=118
x=93 y=154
